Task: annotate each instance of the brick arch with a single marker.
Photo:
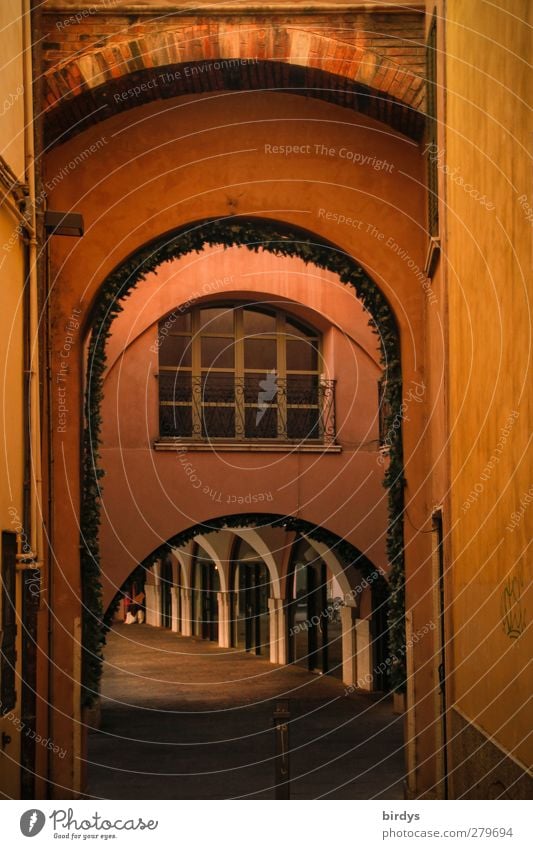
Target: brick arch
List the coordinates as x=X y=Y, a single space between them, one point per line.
x=94 y=84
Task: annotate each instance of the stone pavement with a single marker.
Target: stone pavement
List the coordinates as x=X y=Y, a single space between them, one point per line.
x=184 y=719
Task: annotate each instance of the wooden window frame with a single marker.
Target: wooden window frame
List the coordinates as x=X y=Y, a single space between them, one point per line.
x=281 y=335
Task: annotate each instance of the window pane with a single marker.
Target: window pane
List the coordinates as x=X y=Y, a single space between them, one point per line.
x=175 y=351
x=176 y=322
x=265 y=384
x=175 y=421
x=302 y=389
x=218 y=387
x=175 y=386
x=261 y=423
x=294 y=328
x=218 y=422
x=217 y=320
x=301 y=355
x=302 y=424
x=260 y=353
x=258 y=321
x=217 y=353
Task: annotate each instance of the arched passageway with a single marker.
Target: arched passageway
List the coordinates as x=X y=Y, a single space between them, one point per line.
x=214 y=359
x=271 y=591
x=203 y=148
x=149 y=493
x=258 y=612
x=244 y=380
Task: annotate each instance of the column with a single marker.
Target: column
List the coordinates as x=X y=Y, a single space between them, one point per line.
x=273 y=625
x=283 y=654
x=186 y=624
x=175 y=598
x=365 y=677
x=278 y=631
x=349 y=645
x=224 y=620
x=153 y=605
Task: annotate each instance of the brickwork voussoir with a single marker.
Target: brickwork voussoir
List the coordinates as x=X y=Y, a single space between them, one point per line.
x=381 y=54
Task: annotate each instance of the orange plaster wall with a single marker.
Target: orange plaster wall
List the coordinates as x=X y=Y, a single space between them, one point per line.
x=490 y=257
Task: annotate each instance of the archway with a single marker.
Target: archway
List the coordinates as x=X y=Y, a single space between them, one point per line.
x=242 y=602
x=254 y=234
x=198 y=689
x=187 y=58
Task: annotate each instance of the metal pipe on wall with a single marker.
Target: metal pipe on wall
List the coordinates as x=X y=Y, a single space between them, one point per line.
x=32 y=444
x=36 y=532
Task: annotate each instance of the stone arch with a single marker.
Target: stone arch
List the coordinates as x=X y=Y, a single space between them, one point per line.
x=211 y=549
x=330 y=558
x=183 y=557
x=255 y=541
x=180 y=563
x=239 y=525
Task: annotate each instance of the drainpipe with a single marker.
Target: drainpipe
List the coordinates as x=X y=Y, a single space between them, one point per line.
x=30 y=561
x=36 y=532
x=42 y=274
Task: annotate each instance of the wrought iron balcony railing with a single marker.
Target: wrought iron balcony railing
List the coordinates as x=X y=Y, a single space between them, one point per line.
x=261 y=407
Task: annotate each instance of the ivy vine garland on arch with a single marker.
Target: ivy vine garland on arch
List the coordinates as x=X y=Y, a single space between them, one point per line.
x=254 y=234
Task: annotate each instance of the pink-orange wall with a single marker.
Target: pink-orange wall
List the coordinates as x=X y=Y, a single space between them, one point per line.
x=165 y=492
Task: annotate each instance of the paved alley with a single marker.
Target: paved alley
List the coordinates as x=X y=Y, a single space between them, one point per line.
x=184 y=719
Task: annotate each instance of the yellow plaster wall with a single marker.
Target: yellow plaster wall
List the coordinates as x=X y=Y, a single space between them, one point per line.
x=488 y=245
x=11 y=89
